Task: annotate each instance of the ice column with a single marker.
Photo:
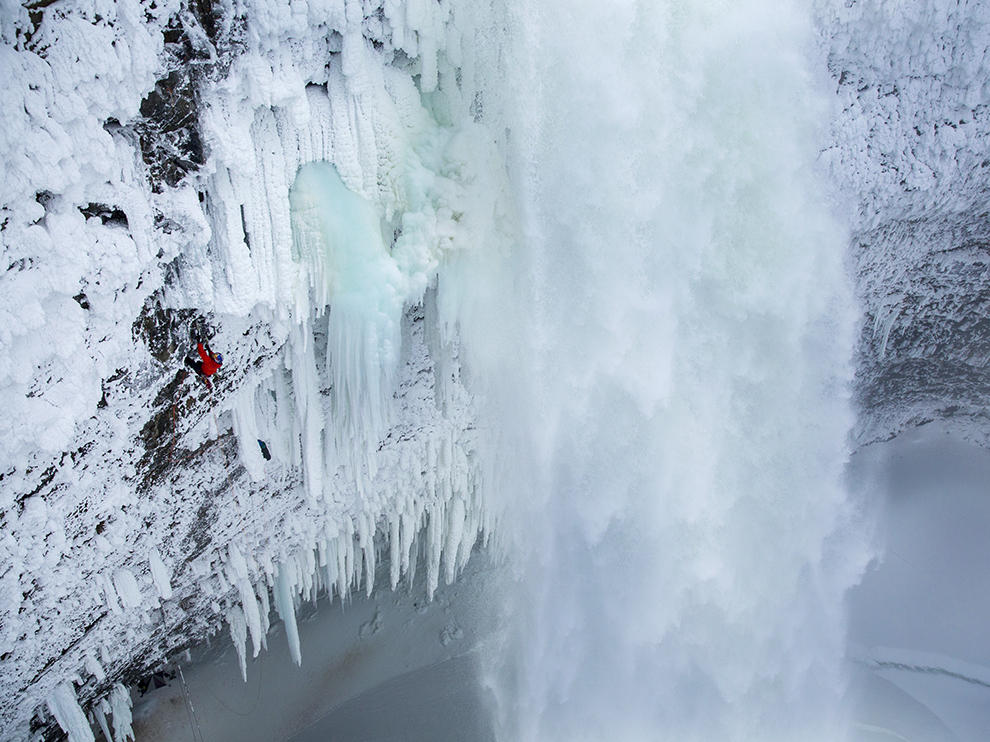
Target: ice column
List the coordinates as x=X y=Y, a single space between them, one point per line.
x=337 y=235
x=65 y=708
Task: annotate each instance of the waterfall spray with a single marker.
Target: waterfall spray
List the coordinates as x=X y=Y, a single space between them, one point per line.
x=679 y=399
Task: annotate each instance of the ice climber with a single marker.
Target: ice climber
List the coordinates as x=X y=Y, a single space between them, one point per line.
x=209 y=364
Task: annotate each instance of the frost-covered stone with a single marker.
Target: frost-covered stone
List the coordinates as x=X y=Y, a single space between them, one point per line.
x=149 y=150
x=910 y=152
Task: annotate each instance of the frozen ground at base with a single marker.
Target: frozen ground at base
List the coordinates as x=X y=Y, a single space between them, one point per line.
x=389 y=667
x=918 y=619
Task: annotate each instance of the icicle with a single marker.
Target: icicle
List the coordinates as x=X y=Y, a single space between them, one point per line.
x=65 y=708
x=245 y=421
x=304 y=577
x=284 y=604
x=434 y=547
x=100 y=711
x=309 y=573
x=262 y=594
x=471 y=528
x=286 y=444
x=93 y=666
x=333 y=569
x=346 y=542
x=241 y=578
x=395 y=564
x=413 y=550
x=308 y=409
x=357 y=564
x=160 y=574
x=120 y=706
x=407 y=533
x=366 y=541
x=455 y=533
x=127 y=588
x=108 y=590
x=238 y=635
x=474 y=520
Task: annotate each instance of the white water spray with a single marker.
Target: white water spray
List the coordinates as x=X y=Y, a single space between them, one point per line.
x=676 y=502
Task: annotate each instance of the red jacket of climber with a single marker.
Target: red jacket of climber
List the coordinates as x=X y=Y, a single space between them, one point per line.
x=211 y=361
x=208 y=365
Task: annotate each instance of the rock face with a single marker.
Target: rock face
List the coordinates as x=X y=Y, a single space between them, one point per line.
x=149 y=149
x=910 y=145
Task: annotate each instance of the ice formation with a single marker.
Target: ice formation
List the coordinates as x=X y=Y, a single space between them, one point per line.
x=293 y=182
x=566 y=266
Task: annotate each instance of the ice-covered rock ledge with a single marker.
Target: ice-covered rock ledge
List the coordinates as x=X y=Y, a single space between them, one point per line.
x=151 y=152
x=910 y=148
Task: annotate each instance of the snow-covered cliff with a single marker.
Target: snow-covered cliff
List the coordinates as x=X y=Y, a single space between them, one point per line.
x=909 y=148
x=150 y=199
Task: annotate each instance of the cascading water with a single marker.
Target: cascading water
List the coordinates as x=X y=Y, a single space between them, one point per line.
x=680 y=398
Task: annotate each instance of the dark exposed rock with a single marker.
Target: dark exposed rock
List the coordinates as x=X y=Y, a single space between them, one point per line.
x=36 y=12
x=170 y=142
x=45 y=198
x=165 y=330
x=206 y=14
x=106 y=214
x=924 y=350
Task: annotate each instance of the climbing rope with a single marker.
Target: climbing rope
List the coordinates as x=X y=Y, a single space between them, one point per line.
x=175 y=437
x=190 y=710
x=257 y=696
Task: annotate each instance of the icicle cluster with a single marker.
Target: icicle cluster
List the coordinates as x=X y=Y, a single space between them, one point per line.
x=423 y=502
x=64 y=706
x=342 y=189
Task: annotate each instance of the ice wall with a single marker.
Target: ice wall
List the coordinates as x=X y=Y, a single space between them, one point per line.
x=139 y=513
x=361 y=181
x=681 y=410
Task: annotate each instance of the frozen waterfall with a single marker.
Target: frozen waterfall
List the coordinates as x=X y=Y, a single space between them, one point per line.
x=679 y=395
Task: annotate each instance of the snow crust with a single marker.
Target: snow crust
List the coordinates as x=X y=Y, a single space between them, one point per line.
x=87 y=66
